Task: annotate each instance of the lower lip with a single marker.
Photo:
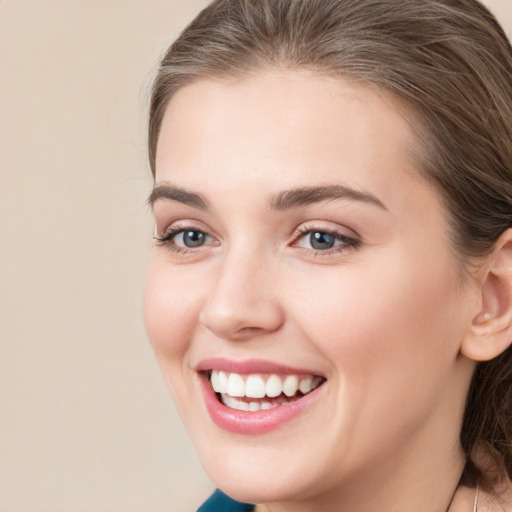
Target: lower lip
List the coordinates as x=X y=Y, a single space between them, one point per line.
x=257 y=422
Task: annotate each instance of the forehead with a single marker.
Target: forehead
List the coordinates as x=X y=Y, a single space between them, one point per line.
x=280 y=127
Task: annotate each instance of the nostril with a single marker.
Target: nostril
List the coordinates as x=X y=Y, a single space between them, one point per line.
x=243 y=322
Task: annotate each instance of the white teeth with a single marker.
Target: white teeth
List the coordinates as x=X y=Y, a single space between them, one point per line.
x=215 y=382
x=236 y=385
x=240 y=405
x=223 y=382
x=290 y=385
x=230 y=402
x=219 y=382
x=260 y=386
x=305 y=385
x=274 y=386
x=254 y=387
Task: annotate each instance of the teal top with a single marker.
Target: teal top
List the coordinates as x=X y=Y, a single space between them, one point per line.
x=219 y=502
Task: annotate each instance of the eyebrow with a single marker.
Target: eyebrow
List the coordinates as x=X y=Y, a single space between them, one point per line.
x=308 y=195
x=170 y=192
x=285 y=200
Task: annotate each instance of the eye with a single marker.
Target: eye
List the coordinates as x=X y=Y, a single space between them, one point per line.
x=190 y=238
x=184 y=239
x=321 y=241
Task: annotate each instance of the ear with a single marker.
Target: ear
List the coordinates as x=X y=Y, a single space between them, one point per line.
x=491 y=331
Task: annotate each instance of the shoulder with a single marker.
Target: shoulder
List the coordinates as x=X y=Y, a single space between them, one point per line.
x=220 y=502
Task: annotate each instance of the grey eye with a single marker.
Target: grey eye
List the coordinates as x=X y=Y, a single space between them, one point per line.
x=192 y=238
x=320 y=240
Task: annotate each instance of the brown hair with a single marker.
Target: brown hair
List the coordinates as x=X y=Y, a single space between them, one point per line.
x=449 y=61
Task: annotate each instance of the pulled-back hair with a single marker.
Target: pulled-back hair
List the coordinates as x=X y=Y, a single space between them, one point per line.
x=448 y=62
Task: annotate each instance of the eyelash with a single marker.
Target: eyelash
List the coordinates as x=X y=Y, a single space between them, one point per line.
x=347 y=242
x=167 y=239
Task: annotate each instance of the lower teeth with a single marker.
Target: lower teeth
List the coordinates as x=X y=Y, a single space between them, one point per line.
x=256 y=405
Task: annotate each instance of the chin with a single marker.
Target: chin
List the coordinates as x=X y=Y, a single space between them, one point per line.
x=268 y=473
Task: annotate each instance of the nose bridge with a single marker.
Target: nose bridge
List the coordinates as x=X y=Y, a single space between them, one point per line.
x=242 y=300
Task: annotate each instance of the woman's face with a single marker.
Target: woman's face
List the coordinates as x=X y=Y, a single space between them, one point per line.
x=300 y=247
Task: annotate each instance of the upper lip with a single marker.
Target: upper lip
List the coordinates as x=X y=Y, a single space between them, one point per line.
x=250 y=366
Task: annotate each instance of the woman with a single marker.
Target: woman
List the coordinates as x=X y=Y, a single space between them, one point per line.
x=330 y=291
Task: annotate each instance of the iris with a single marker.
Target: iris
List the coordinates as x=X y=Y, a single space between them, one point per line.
x=321 y=241
x=193 y=238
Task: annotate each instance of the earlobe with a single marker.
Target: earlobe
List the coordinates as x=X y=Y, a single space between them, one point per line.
x=490 y=333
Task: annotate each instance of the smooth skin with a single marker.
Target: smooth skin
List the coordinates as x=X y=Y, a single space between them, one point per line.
x=385 y=313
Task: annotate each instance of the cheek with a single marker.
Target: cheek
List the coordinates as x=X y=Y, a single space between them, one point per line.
x=383 y=321
x=391 y=338
x=170 y=311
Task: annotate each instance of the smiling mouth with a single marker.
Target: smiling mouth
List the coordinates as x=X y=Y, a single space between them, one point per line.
x=255 y=392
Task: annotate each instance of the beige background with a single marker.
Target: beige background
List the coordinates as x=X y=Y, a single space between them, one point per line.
x=86 y=423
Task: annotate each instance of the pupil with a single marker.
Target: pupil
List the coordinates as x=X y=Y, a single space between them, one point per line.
x=193 y=238
x=321 y=240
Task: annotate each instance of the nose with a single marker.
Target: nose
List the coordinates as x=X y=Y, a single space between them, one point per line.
x=243 y=300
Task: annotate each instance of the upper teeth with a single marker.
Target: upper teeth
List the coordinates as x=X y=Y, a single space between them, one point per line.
x=259 y=386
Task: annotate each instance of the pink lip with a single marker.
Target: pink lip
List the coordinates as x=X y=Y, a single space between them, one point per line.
x=249 y=366
x=257 y=422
